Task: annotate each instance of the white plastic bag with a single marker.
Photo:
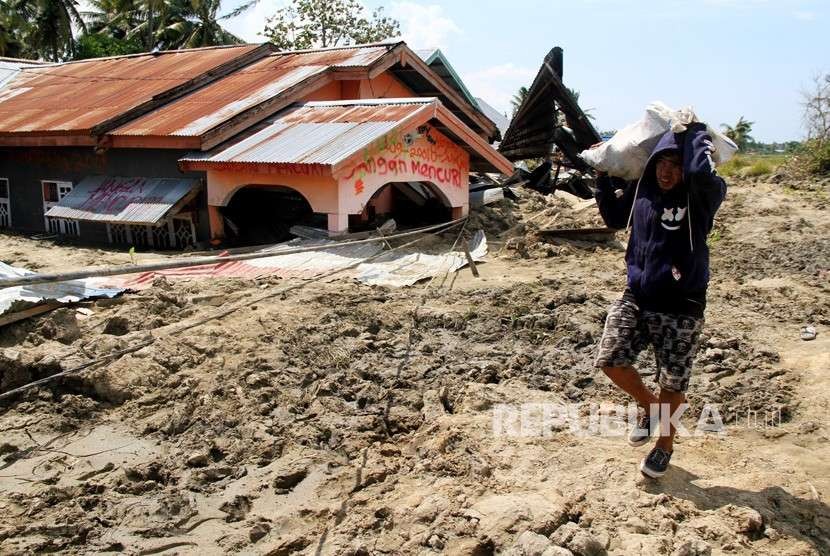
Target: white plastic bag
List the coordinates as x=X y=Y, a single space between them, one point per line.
x=625 y=155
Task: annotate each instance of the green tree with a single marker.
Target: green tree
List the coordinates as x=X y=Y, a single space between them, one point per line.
x=198 y=25
x=325 y=23
x=519 y=98
x=589 y=112
x=98 y=45
x=740 y=132
x=13 y=29
x=49 y=29
x=113 y=18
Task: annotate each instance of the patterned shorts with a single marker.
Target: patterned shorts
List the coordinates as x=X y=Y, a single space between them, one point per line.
x=674 y=338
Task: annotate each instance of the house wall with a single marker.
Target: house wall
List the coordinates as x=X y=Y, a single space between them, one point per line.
x=384 y=85
x=409 y=155
x=26 y=167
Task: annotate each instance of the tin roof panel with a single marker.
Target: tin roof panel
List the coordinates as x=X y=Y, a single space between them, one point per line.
x=77 y=96
x=123 y=200
x=319 y=132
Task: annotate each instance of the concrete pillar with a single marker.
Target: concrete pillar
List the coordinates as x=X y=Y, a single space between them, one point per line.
x=338 y=223
x=217 y=223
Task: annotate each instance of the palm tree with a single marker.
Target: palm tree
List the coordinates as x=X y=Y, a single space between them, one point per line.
x=115 y=18
x=12 y=30
x=173 y=24
x=519 y=98
x=50 y=31
x=740 y=133
x=196 y=24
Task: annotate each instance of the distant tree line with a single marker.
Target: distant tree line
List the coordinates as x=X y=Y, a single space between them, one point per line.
x=57 y=30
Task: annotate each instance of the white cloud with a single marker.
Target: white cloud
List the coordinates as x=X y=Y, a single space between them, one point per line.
x=498 y=84
x=424 y=26
x=804 y=15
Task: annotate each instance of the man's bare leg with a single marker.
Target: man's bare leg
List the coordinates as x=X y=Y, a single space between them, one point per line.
x=671 y=400
x=629 y=381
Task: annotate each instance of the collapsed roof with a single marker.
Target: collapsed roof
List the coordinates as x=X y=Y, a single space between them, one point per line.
x=535 y=128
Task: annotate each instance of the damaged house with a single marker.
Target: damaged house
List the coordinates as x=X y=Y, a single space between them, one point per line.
x=237 y=143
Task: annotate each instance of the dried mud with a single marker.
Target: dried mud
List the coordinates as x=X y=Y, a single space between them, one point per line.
x=339 y=418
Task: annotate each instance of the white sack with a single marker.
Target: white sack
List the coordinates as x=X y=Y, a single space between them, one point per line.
x=626 y=153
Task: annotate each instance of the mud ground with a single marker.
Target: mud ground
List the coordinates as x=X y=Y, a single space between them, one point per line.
x=338 y=418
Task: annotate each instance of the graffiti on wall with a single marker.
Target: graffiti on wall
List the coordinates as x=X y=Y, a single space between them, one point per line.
x=114 y=195
x=426 y=156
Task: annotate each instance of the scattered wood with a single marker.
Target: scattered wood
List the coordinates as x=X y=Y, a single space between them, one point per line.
x=9 y=318
x=590 y=234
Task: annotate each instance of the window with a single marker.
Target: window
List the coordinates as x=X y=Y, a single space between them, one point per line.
x=53 y=192
x=50 y=192
x=5 y=204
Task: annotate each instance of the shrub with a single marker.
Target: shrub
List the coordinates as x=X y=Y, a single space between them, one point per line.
x=734 y=165
x=760 y=168
x=817 y=156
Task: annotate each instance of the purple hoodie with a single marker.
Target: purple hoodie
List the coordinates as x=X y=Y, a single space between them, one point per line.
x=667 y=255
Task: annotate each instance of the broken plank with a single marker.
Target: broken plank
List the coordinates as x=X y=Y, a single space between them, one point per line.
x=10 y=318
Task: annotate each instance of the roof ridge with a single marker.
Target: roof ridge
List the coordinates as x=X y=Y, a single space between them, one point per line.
x=344 y=47
x=154 y=54
x=369 y=101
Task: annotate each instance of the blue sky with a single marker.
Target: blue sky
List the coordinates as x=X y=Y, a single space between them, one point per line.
x=727 y=58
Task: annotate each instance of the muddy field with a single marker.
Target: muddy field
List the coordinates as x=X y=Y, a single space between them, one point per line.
x=337 y=418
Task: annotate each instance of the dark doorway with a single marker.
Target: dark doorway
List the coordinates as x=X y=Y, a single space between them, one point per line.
x=260 y=214
x=410 y=204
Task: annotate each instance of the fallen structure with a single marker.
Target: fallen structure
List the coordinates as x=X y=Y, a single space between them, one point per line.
x=549 y=125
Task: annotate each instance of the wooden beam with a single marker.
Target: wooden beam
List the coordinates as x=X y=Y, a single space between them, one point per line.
x=47 y=141
x=482 y=147
x=154 y=142
x=9 y=318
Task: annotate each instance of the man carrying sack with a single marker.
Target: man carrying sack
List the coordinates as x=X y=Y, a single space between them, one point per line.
x=670 y=210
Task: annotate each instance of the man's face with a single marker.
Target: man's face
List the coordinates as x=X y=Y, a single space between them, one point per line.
x=669 y=171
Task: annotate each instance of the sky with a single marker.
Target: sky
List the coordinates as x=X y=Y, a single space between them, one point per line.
x=726 y=58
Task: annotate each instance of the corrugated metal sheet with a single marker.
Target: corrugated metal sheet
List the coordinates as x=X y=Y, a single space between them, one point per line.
x=74 y=97
x=18 y=298
x=10 y=68
x=200 y=111
x=403 y=268
x=320 y=132
x=125 y=200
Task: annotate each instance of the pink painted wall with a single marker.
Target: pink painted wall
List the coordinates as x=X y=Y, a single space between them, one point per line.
x=408 y=156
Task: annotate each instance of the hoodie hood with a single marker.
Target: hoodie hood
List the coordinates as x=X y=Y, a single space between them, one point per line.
x=670 y=141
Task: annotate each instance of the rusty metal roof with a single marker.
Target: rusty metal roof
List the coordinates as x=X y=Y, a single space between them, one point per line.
x=319 y=132
x=197 y=113
x=124 y=200
x=75 y=97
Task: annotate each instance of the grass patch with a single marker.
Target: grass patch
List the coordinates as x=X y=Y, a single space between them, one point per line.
x=751 y=165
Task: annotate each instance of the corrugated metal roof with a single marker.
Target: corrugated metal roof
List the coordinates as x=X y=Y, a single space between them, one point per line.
x=319 y=132
x=125 y=200
x=10 y=68
x=18 y=298
x=200 y=111
x=76 y=96
x=356 y=56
